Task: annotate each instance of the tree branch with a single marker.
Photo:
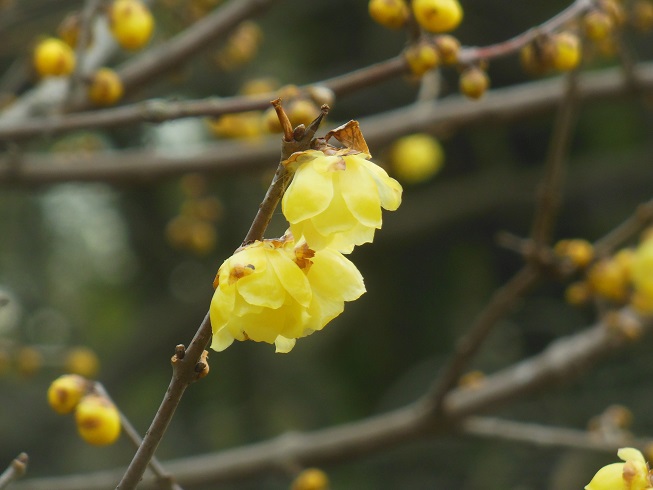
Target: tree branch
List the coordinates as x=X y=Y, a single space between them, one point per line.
x=452 y=113
x=15 y=470
x=563 y=361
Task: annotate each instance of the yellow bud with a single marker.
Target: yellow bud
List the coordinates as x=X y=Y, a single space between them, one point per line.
x=474 y=82
x=642 y=15
x=416 y=158
x=98 y=420
x=437 y=15
x=597 y=25
x=258 y=86
x=29 y=360
x=302 y=111
x=202 y=237
x=615 y=10
x=537 y=57
x=105 y=87
x=82 y=361
x=579 y=252
x=311 y=479
x=422 y=57
x=472 y=380
x=69 y=29
x=448 y=48
x=321 y=95
x=131 y=23
x=578 y=293
x=392 y=14
x=608 y=279
x=53 y=57
x=271 y=120
x=566 y=52
x=238 y=125
x=65 y=392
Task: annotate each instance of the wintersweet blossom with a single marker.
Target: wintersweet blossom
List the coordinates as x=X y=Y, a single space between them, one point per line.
x=633 y=474
x=276 y=291
x=335 y=198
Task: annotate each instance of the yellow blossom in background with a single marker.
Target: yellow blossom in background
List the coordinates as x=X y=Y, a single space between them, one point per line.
x=630 y=475
x=335 y=200
x=276 y=291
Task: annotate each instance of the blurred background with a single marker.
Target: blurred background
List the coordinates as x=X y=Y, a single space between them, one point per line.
x=106 y=279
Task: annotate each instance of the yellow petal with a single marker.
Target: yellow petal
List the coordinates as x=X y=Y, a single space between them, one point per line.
x=222 y=304
x=308 y=194
x=262 y=289
x=333 y=275
x=609 y=477
x=221 y=340
x=283 y=345
x=630 y=454
x=360 y=192
x=335 y=219
x=291 y=278
x=359 y=234
x=389 y=189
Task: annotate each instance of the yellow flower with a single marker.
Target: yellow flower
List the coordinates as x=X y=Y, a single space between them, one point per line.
x=276 y=291
x=631 y=475
x=335 y=200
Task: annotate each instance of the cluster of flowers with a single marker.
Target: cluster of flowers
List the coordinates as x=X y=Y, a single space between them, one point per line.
x=625 y=277
x=278 y=290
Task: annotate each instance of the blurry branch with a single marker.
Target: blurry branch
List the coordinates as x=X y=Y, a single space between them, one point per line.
x=509 y=46
x=15 y=470
x=502 y=301
x=164 y=480
x=157 y=111
x=549 y=192
x=642 y=218
x=562 y=361
x=546 y=435
x=129 y=166
x=154 y=62
x=76 y=82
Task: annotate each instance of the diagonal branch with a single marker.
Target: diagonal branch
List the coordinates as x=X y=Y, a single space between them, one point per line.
x=15 y=470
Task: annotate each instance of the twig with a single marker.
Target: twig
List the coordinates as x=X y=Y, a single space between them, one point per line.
x=163 y=478
x=76 y=81
x=546 y=435
x=561 y=362
x=169 y=55
x=15 y=470
x=642 y=218
x=184 y=374
x=503 y=300
x=471 y=54
x=550 y=190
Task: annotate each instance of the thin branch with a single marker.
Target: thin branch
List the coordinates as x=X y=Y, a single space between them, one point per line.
x=549 y=193
x=130 y=166
x=163 y=478
x=547 y=436
x=642 y=218
x=562 y=362
x=469 y=55
x=186 y=361
x=15 y=470
x=503 y=300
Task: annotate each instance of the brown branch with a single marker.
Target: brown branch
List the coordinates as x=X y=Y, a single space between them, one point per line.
x=184 y=373
x=510 y=46
x=186 y=361
x=547 y=436
x=163 y=478
x=130 y=166
x=161 y=110
x=642 y=218
x=563 y=361
x=15 y=470
x=549 y=193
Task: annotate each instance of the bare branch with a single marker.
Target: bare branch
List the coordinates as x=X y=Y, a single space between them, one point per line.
x=132 y=166
x=15 y=470
x=563 y=361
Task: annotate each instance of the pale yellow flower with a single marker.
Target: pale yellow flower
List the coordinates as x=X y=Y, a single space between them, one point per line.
x=335 y=200
x=630 y=475
x=275 y=291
